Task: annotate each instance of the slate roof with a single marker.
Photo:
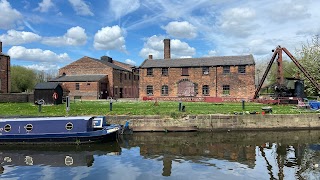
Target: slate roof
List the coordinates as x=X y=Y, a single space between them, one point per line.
x=47 y=85
x=110 y=64
x=199 y=62
x=79 y=78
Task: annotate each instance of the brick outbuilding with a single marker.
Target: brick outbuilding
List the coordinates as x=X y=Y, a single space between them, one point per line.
x=5 y=85
x=102 y=78
x=221 y=77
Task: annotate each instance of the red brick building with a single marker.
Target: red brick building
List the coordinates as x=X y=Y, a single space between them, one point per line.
x=102 y=78
x=5 y=85
x=224 y=77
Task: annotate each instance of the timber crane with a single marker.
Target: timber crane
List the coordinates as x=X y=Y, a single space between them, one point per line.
x=280 y=78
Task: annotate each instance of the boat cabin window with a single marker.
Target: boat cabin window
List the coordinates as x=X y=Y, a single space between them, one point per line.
x=7 y=127
x=28 y=127
x=69 y=126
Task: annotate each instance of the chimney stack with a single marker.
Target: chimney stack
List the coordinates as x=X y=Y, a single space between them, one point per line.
x=166 y=48
x=0 y=47
x=150 y=56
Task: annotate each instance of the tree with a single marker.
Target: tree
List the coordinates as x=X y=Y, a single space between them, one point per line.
x=309 y=58
x=22 y=79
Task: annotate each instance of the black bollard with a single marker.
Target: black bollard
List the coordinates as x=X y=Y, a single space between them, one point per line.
x=180 y=105
x=39 y=105
x=110 y=105
x=243 y=107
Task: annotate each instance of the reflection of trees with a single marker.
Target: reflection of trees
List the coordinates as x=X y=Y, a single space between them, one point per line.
x=308 y=168
x=285 y=150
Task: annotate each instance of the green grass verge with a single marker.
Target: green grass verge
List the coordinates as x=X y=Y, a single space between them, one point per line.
x=166 y=109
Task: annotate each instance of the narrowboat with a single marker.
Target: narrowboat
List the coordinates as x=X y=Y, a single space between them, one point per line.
x=70 y=130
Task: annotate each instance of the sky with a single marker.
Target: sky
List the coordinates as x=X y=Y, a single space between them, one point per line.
x=49 y=34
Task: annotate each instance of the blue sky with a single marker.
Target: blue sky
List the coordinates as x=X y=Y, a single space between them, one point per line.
x=49 y=34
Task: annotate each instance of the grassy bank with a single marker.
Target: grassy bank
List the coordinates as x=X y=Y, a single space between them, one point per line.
x=138 y=108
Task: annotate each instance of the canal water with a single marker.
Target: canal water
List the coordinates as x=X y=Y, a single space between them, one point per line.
x=196 y=155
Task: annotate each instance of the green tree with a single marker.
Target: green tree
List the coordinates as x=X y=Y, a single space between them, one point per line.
x=22 y=79
x=309 y=58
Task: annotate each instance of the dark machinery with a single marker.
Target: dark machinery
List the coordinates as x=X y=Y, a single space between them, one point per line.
x=281 y=90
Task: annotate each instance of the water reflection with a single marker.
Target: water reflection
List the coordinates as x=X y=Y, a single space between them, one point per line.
x=143 y=156
x=293 y=154
x=54 y=155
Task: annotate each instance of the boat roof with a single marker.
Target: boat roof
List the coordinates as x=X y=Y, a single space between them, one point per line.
x=45 y=118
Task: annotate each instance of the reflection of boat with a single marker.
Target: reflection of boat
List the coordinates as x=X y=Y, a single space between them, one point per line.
x=57 y=156
x=74 y=130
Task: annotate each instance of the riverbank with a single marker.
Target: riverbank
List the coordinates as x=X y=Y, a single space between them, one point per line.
x=220 y=122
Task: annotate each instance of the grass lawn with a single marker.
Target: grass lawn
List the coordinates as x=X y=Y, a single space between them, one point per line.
x=139 y=108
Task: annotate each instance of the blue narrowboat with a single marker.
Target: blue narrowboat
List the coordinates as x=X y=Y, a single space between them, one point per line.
x=70 y=130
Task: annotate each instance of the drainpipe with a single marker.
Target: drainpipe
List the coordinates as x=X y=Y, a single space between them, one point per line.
x=216 y=81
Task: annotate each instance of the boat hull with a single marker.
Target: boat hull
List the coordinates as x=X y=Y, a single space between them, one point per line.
x=82 y=131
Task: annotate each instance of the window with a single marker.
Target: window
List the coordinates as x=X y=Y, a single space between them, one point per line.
x=185 y=72
x=164 y=71
x=226 y=89
x=226 y=69
x=77 y=86
x=125 y=76
x=164 y=90
x=120 y=77
x=129 y=76
x=149 y=71
x=242 y=69
x=149 y=90
x=115 y=91
x=205 y=90
x=205 y=70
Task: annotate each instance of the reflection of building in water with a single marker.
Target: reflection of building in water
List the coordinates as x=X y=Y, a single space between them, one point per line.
x=246 y=148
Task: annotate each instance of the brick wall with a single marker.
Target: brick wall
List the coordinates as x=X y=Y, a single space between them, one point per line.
x=87 y=90
x=4 y=74
x=241 y=85
x=87 y=65
x=10 y=97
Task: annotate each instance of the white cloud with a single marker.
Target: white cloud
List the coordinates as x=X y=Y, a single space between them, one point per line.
x=181 y=29
x=14 y=37
x=81 y=7
x=212 y=53
x=129 y=61
x=36 y=55
x=298 y=10
x=75 y=36
x=110 y=38
x=238 y=21
x=8 y=16
x=43 y=67
x=45 y=6
x=154 y=46
x=121 y=8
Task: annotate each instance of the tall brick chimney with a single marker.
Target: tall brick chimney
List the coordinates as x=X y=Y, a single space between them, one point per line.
x=150 y=56
x=0 y=47
x=166 y=50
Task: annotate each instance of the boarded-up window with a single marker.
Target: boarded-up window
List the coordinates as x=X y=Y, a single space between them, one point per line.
x=186 y=88
x=185 y=71
x=77 y=86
